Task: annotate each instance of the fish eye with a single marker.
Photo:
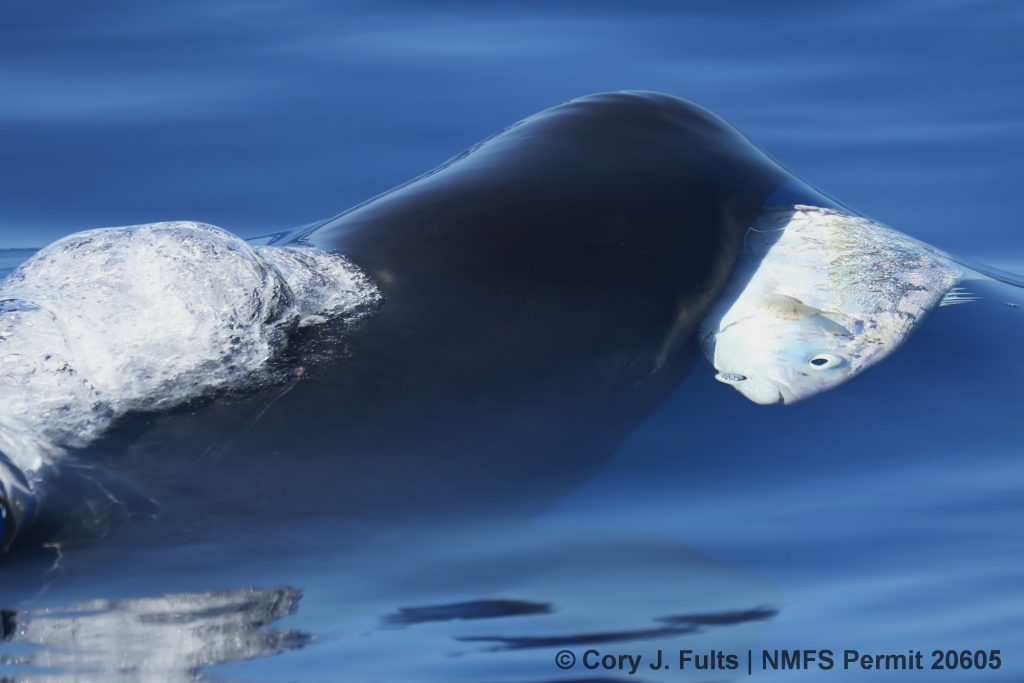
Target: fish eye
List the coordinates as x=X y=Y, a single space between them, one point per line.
x=824 y=361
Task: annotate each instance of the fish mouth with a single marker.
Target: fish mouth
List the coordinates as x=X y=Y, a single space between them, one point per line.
x=761 y=391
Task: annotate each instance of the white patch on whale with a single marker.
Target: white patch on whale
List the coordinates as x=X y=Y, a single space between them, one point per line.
x=109 y=321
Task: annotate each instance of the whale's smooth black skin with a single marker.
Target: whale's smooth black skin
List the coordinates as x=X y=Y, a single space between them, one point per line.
x=540 y=295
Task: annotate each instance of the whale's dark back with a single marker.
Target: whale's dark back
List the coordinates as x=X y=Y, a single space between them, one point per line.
x=540 y=295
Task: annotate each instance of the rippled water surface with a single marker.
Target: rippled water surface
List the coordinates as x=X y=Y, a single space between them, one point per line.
x=884 y=516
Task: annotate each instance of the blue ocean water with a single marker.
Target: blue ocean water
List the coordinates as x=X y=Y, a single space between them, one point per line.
x=885 y=516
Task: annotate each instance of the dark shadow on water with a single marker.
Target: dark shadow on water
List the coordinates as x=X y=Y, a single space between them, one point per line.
x=677 y=626
x=723 y=618
x=567 y=640
x=476 y=609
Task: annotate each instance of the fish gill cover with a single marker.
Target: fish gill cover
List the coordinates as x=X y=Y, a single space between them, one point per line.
x=114 y=320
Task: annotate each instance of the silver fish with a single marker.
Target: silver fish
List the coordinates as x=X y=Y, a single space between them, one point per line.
x=817 y=297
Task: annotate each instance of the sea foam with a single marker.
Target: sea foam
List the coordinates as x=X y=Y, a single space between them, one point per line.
x=109 y=321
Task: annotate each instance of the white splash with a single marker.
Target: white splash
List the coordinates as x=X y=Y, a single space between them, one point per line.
x=108 y=321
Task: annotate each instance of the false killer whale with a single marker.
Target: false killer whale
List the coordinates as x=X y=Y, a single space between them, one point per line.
x=539 y=296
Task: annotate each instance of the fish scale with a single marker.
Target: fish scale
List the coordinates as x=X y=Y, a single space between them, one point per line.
x=818 y=296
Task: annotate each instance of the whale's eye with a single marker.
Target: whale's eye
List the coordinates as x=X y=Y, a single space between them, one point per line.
x=824 y=361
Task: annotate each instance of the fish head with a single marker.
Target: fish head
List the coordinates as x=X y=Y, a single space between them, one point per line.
x=785 y=351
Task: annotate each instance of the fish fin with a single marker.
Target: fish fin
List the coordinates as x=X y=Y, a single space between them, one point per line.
x=787 y=307
x=957 y=295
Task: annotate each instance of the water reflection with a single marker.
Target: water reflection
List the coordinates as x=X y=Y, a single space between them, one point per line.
x=475 y=609
x=671 y=626
x=167 y=638
x=491 y=602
